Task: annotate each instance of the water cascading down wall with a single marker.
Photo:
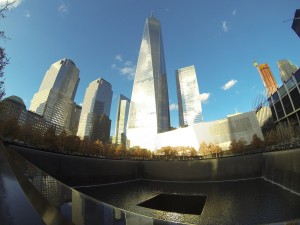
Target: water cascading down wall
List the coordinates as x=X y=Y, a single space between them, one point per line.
x=281 y=167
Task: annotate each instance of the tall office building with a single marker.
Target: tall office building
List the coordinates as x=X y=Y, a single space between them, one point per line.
x=121 y=121
x=189 y=102
x=296 y=22
x=55 y=98
x=287 y=69
x=149 y=108
x=102 y=129
x=97 y=102
x=75 y=116
x=267 y=78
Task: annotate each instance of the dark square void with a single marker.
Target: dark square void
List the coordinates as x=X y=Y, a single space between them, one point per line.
x=186 y=204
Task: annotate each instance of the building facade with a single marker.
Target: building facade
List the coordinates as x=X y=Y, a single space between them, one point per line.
x=189 y=102
x=75 y=117
x=285 y=103
x=121 y=120
x=97 y=102
x=267 y=78
x=102 y=129
x=263 y=112
x=219 y=132
x=264 y=118
x=55 y=98
x=287 y=69
x=149 y=108
x=14 y=108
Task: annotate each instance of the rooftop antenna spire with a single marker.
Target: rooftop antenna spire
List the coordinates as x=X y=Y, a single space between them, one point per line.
x=296 y=18
x=151 y=13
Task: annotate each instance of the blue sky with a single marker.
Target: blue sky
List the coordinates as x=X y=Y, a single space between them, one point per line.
x=103 y=37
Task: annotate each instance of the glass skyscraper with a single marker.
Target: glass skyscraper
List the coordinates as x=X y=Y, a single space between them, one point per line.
x=75 y=116
x=97 y=102
x=55 y=98
x=287 y=69
x=149 y=108
x=189 y=102
x=121 y=121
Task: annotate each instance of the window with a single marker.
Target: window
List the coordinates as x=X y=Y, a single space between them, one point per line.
x=297 y=76
x=275 y=97
x=273 y=113
x=290 y=84
x=279 y=110
x=282 y=91
x=295 y=96
x=287 y=105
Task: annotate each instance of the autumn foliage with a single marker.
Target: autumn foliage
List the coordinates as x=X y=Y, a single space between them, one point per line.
x=11 y=130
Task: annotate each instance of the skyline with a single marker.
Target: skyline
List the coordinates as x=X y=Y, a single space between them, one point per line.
x=221 y=47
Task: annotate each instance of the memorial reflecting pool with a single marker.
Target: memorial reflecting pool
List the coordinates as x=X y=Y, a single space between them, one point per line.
x=30 y=196
x=253 y=201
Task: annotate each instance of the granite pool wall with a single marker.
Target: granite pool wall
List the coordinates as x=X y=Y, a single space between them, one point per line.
x=281 y=167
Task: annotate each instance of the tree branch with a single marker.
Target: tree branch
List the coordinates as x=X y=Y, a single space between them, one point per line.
x=5 y=8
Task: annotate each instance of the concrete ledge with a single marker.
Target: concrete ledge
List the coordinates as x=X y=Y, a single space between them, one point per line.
x=20 y=202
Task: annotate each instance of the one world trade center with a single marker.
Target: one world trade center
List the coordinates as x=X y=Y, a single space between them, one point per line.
x=149 y=110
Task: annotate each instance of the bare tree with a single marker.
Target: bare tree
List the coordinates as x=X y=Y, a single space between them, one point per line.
x=4 y=60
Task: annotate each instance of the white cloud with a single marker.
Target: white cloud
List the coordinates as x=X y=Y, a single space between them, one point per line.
x=173 y=106
x=234 y=12
x=128 y=71
x=81 y=104
x=224 y=26
x=16 y=3
x=229 y=84
x=204 y=97
x=128 y=63
x=27 y=14
x=119 y=58
x=63 y=8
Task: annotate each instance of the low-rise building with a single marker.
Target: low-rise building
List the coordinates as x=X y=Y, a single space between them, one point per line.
x=219 y=132
x=15 y=108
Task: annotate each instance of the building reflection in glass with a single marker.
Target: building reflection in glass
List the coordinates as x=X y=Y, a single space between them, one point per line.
x=88 y=211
